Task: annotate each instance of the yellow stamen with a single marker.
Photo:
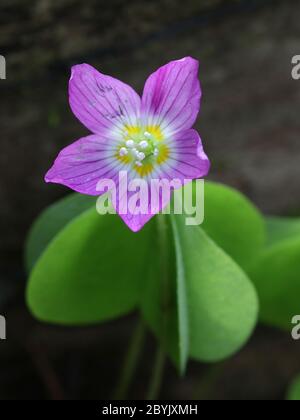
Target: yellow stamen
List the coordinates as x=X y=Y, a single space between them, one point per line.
x=135 y=131
x=124 y=159
x=155 y=131
x=163 y=154
x=144 y=170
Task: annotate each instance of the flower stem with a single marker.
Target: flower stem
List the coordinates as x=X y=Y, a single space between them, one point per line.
x=130 y=361
x=157 y=373
x=156 y=379
x=163 y=243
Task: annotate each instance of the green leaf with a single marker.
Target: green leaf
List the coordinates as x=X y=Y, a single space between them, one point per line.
x=222 y=303
x=212 y=306
x=51 y=221
x=92 y=271
x=233 y=223
x=294 y=390
x=276 y=277
x=281 y=228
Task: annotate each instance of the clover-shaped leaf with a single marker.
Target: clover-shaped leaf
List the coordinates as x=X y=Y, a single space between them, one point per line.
x=91 y=271
x=281 y=228
x=90 y=268
x=212 y=299
x=276 y=273
x=234 y=223
x=51 y=221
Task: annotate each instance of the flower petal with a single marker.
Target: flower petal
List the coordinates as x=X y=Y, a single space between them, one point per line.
x=101 y=102
x=138 y=215
x=171 y=97
x=84 y=163
x=187 y=159
x=136 y=222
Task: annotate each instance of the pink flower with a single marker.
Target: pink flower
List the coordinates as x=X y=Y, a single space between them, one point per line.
x=148 y=137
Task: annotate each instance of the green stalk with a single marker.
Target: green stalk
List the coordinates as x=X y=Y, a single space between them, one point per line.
x=130 y=361
x=159 y=363
x=157 y=375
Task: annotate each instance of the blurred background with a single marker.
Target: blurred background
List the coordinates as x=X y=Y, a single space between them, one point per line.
x=250 y=127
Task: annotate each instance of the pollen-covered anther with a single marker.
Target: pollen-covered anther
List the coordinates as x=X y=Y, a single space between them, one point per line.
x=123 y=151
x=141 y=156
x=148 y=135
x=143 y=144
x=130 y=143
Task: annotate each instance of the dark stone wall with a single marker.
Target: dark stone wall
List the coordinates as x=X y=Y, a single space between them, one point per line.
x=38 y=33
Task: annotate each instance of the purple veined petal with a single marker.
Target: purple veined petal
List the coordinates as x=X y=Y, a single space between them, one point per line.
x=84 y=163
x=100 y=102
x=171 y=97
x=187 y=159
x=136 y=220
